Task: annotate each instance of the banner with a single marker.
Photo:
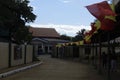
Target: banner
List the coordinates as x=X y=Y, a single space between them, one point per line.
x=100 y=10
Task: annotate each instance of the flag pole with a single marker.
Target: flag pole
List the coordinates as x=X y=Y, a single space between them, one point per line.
x=108 y=73
x=100 y=53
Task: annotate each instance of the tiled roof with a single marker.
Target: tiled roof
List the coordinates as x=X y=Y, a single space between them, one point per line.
x=44 y=32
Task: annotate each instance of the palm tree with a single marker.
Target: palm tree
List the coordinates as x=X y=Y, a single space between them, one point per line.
x=80 y=35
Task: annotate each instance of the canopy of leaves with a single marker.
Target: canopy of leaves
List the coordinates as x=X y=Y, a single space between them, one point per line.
x=13 y=16
x=79 y=36
x=17 y=9
x=22 y=35
x=65 y=37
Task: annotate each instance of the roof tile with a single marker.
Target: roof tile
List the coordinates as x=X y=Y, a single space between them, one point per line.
x=44 y=32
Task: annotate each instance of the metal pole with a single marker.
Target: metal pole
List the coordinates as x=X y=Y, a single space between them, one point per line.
x=108 y=76
x=25 y=54
x=9 y=53
x=100 y=53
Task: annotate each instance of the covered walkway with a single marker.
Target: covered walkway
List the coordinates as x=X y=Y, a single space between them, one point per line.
x=57 y=69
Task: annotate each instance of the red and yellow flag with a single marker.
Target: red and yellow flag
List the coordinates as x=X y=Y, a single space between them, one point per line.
x=100 y=10
x=104 y=13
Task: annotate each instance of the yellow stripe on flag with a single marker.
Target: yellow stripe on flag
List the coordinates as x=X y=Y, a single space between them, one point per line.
x=112 y=7
x=97 y=24
x=81 y=42
x=87 y=38
x=110 y=17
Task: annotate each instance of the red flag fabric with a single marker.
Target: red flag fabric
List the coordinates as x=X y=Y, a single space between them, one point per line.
x=100 y=10
x=107 y=24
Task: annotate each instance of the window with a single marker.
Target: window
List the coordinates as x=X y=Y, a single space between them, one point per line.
x=17 y=52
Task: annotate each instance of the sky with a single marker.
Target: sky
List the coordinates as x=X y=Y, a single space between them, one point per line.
x=66 y=16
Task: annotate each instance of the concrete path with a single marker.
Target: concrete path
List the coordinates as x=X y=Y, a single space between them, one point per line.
x=57 y=69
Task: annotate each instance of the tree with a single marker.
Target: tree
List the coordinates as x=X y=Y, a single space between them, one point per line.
x=14 y=15
x=79 y=36
x=65 y=37
x=19 y=38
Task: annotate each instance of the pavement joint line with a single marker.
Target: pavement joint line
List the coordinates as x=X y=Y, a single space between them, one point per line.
x=5 y=74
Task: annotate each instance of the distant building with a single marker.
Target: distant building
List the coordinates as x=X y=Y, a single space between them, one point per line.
x=44 y=39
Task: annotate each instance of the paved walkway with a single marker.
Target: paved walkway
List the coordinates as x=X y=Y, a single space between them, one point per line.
x=57 y=69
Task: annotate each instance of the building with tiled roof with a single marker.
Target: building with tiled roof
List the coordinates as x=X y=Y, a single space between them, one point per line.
x=44 y=32
x=44 y=39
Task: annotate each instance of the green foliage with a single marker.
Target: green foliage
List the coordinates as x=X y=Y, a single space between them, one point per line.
x=25 y=11
x=22 y=35
x=79 y=36
x=13 y=16
x=65 y=37
x=17 y=9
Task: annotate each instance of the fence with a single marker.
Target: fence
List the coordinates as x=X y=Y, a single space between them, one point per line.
x=20 y=54
x=92 y=54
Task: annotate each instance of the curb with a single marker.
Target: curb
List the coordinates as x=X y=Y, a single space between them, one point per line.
x=5 y=74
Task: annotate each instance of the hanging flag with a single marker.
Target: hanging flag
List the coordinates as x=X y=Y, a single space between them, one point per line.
x=100 y=10
x=77 y=43
x=104 y=13
x=112 y=7
x=87 y=38
x=107 y=24
x=81 y=42
x=71 y=43
x=59 y=45
x=97 y=24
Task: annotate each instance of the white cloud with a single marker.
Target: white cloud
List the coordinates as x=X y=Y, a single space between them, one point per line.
x=65 y=1
x=69 y=30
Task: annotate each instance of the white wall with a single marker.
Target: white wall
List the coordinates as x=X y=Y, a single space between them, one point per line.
x=3 y=55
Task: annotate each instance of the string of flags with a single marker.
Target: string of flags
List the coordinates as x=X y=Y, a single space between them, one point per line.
x=70 y=43
x=105 y=15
